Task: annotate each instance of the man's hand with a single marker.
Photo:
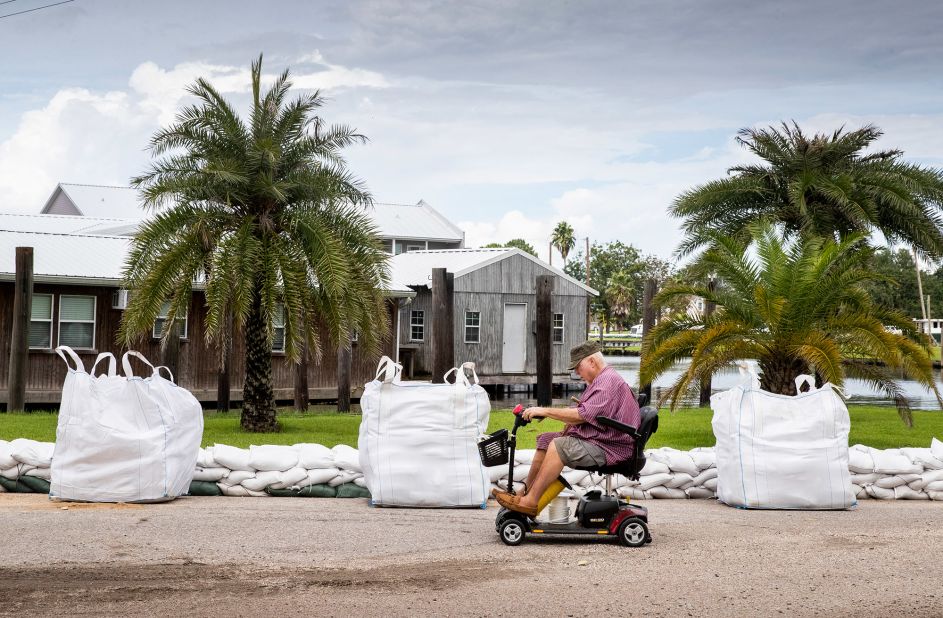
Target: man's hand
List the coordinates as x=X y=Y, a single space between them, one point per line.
x=531 y=414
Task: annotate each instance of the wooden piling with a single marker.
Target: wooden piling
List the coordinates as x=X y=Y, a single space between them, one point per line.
x=443 y=321
x=223 y=402
x=544 y=340
x=343 y=377
x=648 y=322
x=705 y=395
x=19 y=341
x=170 y=351
x=301 y=381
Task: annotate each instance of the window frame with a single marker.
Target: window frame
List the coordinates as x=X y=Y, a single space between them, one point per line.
x=279 y=315
x=52 y=314
x=554 y=328
x=421 y=324
x=467 y=326
x=155 y=333
x=92 y=321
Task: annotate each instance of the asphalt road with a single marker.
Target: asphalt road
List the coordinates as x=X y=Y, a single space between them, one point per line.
x=331 y=557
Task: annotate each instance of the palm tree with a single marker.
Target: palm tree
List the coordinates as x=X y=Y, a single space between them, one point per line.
x=824 y=185
x=265 y=214
x=796 y=308
x=620 y=294
x=563 y=239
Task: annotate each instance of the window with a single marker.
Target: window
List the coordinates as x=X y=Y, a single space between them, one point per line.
x=417 y=325
x=278 y=324
x=472 y=327
x=414 y=248
x=40 y=322
x=558 y=328
x=77 y=321
x=162 y=317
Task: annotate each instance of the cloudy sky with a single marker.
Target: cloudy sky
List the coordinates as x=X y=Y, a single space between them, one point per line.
x=507 y=117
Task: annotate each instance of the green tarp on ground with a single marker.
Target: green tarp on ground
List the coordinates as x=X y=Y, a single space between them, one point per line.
x=311 y=491
x=352 y=490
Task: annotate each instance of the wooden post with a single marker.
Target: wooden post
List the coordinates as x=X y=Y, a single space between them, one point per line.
x=301 y=381
x=19 y=341
x=544 y=340
x=443 y=311
x=709 y=307
x=223 y=402
x=648 y=322
x=343 y=377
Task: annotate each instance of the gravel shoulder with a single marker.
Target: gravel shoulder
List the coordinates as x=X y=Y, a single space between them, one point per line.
x=293 y=556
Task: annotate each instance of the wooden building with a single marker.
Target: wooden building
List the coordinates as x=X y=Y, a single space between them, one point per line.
x=494 y=312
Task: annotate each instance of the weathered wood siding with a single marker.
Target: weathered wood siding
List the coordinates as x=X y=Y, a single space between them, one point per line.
x=198 y=365
x=512 y=280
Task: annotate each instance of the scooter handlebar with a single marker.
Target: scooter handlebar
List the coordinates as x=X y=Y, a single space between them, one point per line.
x=519 y=420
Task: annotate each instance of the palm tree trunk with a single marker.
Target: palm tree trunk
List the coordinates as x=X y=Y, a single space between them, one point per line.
x=258 y=398
x=779 y=374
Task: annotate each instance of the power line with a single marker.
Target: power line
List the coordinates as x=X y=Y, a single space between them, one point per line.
x=38 y=8
x=7 y=1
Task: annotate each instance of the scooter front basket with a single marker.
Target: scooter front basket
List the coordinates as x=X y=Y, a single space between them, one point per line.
x=494 y=449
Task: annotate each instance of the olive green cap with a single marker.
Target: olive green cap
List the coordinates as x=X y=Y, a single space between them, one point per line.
x=581 y=351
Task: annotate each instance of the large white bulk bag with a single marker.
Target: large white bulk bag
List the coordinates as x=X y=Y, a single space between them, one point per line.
x=781 y=452
x=123 y=438
x=418 y=440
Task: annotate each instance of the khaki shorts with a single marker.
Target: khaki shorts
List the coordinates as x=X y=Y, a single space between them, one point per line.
x=577 y=453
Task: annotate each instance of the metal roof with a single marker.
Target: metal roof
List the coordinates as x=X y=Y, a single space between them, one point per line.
x=66 y=257
x=101 y=201
x=67 y=224
x=413 y=221
x=415 y=267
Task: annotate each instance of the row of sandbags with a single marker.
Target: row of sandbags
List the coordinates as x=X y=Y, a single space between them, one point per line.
x=905 y=473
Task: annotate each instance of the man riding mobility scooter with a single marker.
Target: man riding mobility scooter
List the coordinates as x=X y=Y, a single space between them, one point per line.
x=596 y=514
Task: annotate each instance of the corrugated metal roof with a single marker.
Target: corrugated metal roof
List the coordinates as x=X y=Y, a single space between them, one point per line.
x=60 y=256
x=105 y=202
x=67 y=224
x=413 y=221
x=415 y=267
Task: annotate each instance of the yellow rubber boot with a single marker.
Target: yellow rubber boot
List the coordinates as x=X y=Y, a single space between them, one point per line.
x=551 y=492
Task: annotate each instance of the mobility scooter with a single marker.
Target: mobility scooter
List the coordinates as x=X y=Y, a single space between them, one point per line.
x=596 y=514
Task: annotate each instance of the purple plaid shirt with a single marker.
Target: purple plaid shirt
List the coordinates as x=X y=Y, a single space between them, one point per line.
x=608 y=395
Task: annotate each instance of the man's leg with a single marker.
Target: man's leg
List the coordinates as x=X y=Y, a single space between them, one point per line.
x=550 y=468
x=535 y=468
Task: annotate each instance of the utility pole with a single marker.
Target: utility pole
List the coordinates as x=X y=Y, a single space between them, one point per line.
x=550 y=253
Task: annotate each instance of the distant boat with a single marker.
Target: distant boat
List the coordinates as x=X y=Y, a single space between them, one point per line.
x=636 y=331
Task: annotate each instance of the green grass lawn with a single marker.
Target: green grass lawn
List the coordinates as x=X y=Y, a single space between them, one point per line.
x=875 y=426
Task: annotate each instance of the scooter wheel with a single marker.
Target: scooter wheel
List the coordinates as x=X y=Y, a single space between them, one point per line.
x=633 y=532
x=512 y=532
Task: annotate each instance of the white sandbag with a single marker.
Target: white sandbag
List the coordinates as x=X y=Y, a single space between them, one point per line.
x=211 y=475
x=418 y=441
x=347 y=458
x=860 y=461
x=679 y=461
x=681 y=480
x=704 y=458
x=634 y=493
x=653 y=467
x=711 y=484
x=923 y=457
x=261 y=480
x=289 y=478
x=14 y=472
x=865 y=479
x=360 y=482
x=235 y=477
x=521 y=472
x=709 y=473
x=124 y=438
x=275 y=457
x=645 y=483
x=6 y=455
x=879 y=492
x=524 y=456
x=232 y=457
x=934 y=486
x=619 y=480
x=891 y=461
x=699 y=492
x=903 y=492
x=240 y=491
x=347 y=476
x=496 y=473
x=776 y=451
x=860 y=492
x=40 y=473
x=667 y=492
x=314 y=456
x=890 y=482
x=321 y=476
x=936 y=448
x=205 y=458
x=935 y=495
x=31 y=452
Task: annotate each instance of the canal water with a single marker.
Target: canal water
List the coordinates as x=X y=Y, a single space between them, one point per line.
x=857 y=391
